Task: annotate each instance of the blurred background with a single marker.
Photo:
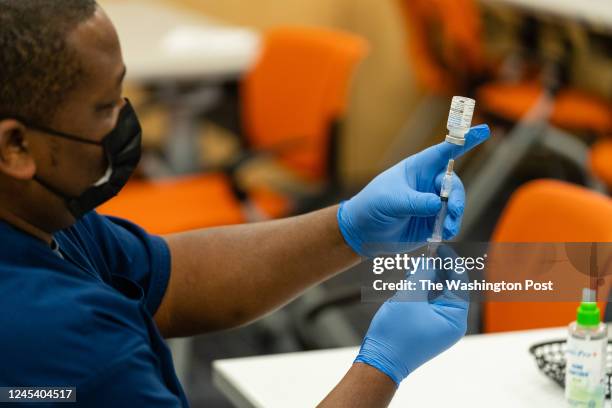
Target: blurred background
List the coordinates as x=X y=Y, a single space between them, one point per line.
x=255 y=110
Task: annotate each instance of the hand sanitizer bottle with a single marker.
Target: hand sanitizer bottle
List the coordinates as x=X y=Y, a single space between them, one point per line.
x=585 y=372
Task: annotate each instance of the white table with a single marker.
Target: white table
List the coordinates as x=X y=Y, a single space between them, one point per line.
x=597 y=13
x=167 y=46
x=163 y=42
x=480 y=371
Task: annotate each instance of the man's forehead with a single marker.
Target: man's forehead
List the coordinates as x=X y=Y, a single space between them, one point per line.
x=97 y=45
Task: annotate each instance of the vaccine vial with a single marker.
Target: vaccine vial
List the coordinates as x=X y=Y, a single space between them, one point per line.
x=460 y=119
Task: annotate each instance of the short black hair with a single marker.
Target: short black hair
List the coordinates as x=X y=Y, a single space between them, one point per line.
x=37 y=67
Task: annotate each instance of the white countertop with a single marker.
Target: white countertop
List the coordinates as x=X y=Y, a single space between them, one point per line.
x=480 y=371
x=163 y=42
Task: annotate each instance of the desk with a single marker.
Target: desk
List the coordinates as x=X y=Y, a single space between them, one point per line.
x=480 y=371
x=161 y=42
x=597 y=13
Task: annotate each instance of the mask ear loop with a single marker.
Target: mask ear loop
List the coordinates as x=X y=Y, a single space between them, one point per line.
x=51 y=132
x=54 y=133
x=52 y=189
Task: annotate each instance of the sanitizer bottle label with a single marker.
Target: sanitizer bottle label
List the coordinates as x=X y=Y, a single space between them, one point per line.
x=586 y=372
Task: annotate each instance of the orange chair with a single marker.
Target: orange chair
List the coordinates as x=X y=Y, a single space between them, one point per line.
x=445 y=44
x=298 y=89
x=444 y=50
x=573 y=109
x=600 y=160
x=177 y=204
x=432 y=23
x=547 y=211
x=290 y=101
x=447 y=52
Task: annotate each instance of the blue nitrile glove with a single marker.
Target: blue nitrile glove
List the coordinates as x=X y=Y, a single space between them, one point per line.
x=410 y=329
x=400 y=204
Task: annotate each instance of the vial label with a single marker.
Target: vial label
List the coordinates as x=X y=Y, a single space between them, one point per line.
x=461 y=113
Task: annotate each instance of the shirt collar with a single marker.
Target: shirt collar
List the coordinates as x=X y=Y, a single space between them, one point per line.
x=18 y=244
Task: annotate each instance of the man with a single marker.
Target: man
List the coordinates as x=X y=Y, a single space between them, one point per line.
x=86 y=299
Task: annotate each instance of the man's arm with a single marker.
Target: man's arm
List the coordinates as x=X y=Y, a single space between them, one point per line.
x=225 y=277
x=228 y=276
x=362 y=387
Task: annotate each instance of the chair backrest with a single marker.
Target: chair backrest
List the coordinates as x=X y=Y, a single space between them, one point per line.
x=444 y=42
x=547 y=211
x=296 y=91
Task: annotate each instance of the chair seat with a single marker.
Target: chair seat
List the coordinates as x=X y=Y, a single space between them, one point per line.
x=175 y=205
x=600 y=160
x=547 y=211
x=574 y=109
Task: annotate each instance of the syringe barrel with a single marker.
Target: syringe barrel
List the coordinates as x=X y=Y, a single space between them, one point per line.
x=439 y=224
x=447 y=180
x=446 y=186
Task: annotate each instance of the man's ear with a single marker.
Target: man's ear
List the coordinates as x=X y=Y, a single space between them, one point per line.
x=16 y=158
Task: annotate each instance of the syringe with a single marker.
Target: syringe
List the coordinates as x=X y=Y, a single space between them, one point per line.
x=445 y=191
x=459 y=122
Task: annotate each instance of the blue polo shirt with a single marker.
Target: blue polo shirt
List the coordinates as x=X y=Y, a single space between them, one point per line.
x=81 y=316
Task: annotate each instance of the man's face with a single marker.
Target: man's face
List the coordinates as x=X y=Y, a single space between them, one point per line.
x=90 y=111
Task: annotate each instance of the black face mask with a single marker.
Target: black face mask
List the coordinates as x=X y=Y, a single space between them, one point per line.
x=122 y=147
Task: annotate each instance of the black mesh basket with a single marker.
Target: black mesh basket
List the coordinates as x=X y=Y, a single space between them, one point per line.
x=550 y=357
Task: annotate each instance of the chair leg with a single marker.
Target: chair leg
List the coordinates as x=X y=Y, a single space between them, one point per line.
x=333 y=329
x=498 y=168
x=181 y=146
x=182 y=350
x=499 y=165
